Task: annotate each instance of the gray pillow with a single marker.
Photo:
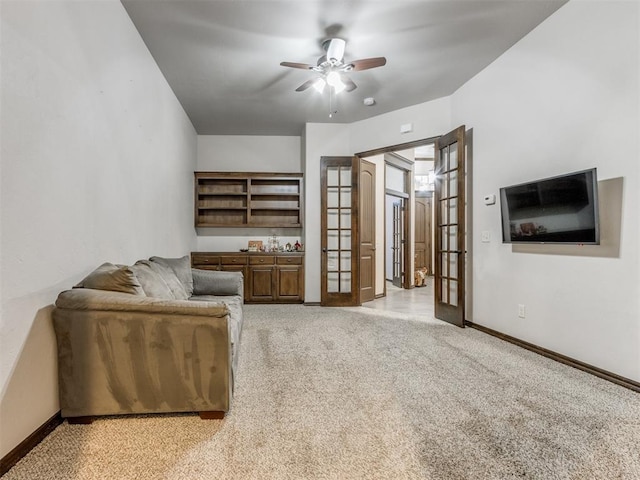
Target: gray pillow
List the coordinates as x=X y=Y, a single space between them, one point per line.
x=181 y=267
x=214 y=282
x=112 y=278
x=170 y=278
x=151 y=281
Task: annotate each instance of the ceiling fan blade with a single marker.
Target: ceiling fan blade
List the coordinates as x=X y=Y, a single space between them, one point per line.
x=367 y=63
x=306 y=85
x=350 y=86
x=303 y=66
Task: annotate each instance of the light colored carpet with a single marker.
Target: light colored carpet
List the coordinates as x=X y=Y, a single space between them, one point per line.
x=351 y=393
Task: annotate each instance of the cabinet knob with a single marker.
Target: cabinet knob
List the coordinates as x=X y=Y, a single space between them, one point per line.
x=288 y=260
x=262 y=260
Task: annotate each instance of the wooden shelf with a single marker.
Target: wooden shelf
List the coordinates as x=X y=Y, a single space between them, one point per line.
x=266 y=200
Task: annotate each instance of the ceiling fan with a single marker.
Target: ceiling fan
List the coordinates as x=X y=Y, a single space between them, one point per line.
x=332 y=68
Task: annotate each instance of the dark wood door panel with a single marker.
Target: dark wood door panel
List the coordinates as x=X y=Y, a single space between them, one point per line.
x=261 y=283
x=289 y=282
x=367 y=231
x=450 y=227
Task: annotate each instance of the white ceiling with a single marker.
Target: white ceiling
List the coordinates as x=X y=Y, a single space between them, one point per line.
x=222 y=57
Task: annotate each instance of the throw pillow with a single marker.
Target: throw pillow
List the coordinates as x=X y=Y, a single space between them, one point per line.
x=113 y=278
x=170 y=278
x=152 y=283
x=208 y=282
x=181 y=267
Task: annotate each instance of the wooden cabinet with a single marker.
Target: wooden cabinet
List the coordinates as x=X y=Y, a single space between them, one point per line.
x=289 y=276
x=270 y=200
x=268 y=277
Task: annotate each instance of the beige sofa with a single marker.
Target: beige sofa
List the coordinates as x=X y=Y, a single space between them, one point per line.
x=154 y=337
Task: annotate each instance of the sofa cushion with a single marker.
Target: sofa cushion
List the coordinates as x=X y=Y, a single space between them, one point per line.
x=181 y=267
x=113 y=278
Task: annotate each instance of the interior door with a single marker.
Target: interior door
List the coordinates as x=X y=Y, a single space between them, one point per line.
x=450 y=227
x=422 y=237
x=339 y=202
x=398 y=244
x=367 y=231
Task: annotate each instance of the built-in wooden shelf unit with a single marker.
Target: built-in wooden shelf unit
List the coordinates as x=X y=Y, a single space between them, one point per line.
x=248 y=199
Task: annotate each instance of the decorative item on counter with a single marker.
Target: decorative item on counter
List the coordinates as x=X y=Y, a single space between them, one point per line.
x=287 y=247
x=274 y=243
x=297 y=246
x=255 y=245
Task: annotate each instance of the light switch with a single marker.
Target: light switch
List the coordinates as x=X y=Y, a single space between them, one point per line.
x=486 y=236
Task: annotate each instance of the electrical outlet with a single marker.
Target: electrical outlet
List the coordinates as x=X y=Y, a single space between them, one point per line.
x=521 y=310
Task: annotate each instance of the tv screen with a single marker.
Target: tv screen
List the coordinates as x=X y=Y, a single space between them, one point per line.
x=562 y=209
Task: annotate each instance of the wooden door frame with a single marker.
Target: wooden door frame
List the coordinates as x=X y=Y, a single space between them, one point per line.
x=469 y=203
x=405 y=165
x=393 y=149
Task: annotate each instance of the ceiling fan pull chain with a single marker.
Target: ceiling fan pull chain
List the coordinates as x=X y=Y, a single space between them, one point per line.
x=332 y=98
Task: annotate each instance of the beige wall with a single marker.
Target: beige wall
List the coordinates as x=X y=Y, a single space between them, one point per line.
x=97 y=162
x=561 y=101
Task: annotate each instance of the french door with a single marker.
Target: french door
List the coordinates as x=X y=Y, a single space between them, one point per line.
x=450 y=252
x=397 y=246
x=339 y=199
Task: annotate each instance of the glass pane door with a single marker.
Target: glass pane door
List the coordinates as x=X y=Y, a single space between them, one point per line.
x=450 y=218
x=338 y=230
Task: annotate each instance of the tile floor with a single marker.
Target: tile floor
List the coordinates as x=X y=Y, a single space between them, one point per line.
x=414 y=301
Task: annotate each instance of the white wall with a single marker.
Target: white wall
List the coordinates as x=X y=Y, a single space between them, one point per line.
x=559 y=101
x=97 y=165
x=247 y=153
x=429 y=119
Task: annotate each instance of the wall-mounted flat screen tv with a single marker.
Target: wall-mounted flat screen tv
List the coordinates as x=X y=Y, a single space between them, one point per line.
x=562 y=209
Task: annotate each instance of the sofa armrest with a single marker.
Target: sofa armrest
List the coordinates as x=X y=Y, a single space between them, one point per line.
x=120 y=354
x=101 y=300
x=214 y=282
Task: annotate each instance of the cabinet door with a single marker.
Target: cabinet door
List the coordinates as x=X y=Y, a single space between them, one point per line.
x=261 y=284
x=290 y=283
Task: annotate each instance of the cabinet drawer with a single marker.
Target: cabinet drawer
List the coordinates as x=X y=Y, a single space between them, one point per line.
x=204 y=259
x=283 y=260
x=233 y=259
x=262 y=260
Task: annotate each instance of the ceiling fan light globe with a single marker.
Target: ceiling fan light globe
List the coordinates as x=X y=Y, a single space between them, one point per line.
x=339 y=88
x=333 y=79
x=319 y=85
